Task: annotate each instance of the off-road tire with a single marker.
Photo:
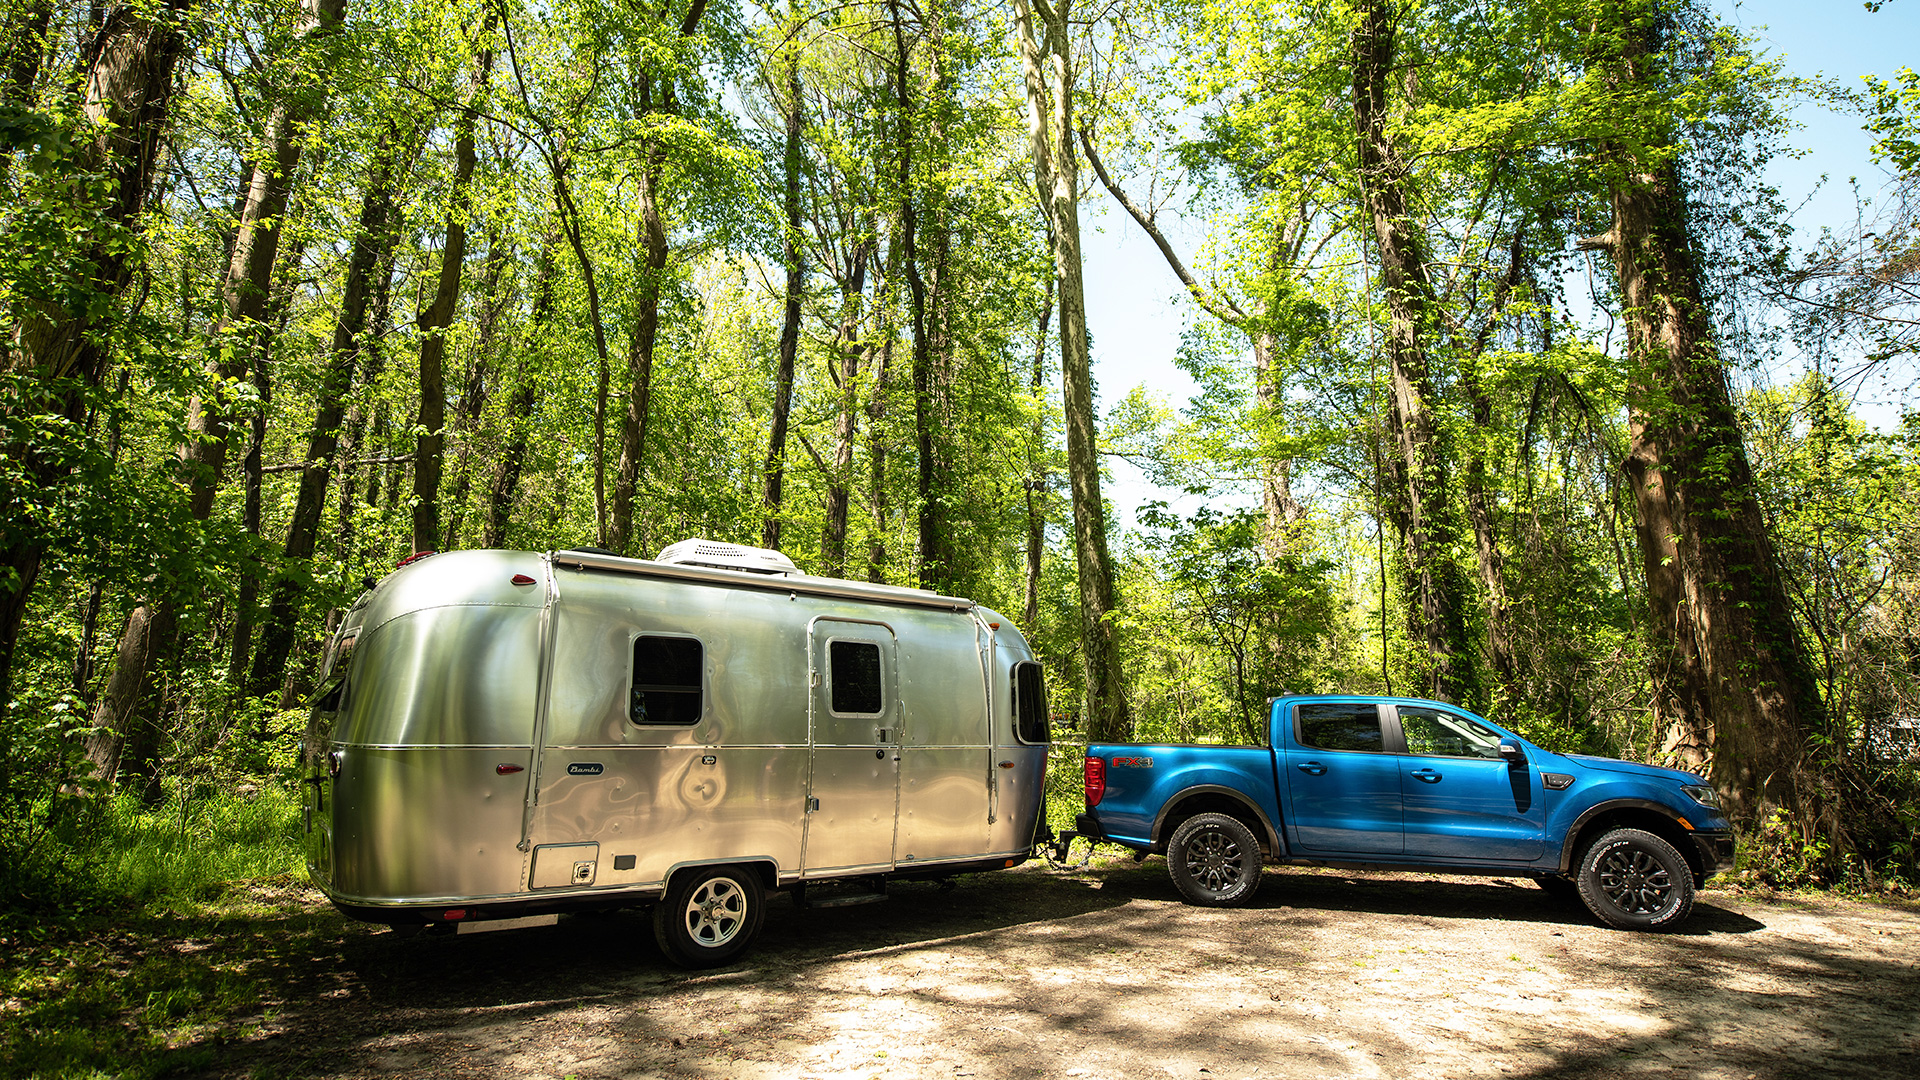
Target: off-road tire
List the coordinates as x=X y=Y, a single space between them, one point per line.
x=1214 y=860
x=1633 y=880
x=709 y=915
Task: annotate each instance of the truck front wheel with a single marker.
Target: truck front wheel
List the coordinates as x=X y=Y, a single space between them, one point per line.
x=1214 y=860
x=1633 y=880
x=709 y=915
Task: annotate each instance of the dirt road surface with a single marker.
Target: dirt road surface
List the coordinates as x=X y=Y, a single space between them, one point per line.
x=1103 y=973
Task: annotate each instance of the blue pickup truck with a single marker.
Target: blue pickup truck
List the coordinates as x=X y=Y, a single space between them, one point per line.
x=1407 y=784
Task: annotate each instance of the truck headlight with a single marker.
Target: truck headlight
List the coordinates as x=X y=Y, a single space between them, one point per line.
x=1702 y=794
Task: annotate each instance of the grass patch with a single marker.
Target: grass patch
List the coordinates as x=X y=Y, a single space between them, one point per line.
x=163 y=938
x=186 y=847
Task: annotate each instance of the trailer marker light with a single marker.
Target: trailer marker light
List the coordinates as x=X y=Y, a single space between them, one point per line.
x=505 y=769
x=415 y=557
x=454 y=914
x=522 y=579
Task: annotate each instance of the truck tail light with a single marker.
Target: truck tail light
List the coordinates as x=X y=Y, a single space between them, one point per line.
x=1096 y=781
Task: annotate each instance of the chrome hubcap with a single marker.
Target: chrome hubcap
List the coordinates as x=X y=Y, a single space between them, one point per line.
x=715 y=912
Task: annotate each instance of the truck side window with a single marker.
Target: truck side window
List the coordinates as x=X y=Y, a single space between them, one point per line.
x=854 y=668
x=1433 y=733
x=1340 y=726
x=666 y=680
x=1030 y=704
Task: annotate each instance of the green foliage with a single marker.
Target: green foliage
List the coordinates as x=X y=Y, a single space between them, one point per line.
x=1234 y=118
x=153 y=990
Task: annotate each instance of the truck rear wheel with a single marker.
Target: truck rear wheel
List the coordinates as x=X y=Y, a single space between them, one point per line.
x=709 y=916
x=1214 y=860
x=1633 y=880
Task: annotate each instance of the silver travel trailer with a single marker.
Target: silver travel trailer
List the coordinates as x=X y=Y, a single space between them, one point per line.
x=505 y=735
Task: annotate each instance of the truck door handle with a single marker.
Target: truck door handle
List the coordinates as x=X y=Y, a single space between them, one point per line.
x=1428 y=775
x=1311 y=768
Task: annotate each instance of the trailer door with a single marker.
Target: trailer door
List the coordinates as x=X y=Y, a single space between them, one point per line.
x=853 y=708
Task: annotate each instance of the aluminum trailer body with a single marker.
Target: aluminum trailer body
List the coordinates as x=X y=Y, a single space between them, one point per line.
x=505 y=734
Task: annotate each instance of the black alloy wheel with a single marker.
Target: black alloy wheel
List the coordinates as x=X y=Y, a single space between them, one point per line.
x=1214 y=860
x=1633 y=880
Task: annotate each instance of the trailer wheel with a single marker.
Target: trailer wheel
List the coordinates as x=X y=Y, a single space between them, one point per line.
x=1214 y=860
x=709 y=916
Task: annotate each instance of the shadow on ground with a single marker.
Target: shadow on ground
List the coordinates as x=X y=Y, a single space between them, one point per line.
x=1103 y=973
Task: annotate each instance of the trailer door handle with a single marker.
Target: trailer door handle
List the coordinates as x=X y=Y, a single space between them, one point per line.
x=1312 y=768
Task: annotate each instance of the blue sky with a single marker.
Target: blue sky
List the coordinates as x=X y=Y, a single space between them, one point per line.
x=1136 y=310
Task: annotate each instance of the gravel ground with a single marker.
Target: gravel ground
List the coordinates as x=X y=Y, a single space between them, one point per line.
x=1103 y=973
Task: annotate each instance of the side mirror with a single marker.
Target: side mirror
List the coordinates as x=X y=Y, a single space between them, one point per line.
x=1511 y=752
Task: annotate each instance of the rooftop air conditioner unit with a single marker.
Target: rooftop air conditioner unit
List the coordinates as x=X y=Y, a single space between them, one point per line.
x=718 y=556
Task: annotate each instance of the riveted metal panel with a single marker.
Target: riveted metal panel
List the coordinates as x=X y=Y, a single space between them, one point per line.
x=670 y=805
x=446 y=676
x=425 y=824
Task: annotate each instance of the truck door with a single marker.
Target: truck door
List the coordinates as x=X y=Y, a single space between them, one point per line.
x=1460 y=799
x=1343 y=786
x=854 y=737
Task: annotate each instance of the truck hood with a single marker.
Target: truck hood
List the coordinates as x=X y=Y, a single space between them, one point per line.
x=1632 y=768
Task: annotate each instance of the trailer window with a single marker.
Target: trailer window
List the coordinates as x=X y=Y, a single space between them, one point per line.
x=1341 y=726
x=1030 y=703
x=666 y=680
x=854 y=668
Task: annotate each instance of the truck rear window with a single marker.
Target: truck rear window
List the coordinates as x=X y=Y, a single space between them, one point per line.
x=1340 y=726
x=666 y=680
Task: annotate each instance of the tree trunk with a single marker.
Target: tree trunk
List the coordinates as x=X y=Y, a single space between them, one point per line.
x=1049 y=78
x=23 y=46
x=1037 y=486
x=128 y=94
x=371 y=240
x=1482 y=501
x=526 y=395
x=1735 y=695
x=1434 y=585
x=431 y=438
x=646 y=332
x=877 y=501
x=848 y=354
x=473 y=394
x=775 y=469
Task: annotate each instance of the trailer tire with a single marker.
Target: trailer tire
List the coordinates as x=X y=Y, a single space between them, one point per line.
x=1214 y=860
x=709 y=915
x=1633 y=880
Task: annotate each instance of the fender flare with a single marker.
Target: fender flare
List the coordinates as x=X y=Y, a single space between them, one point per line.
x=1272 y=835
x=1591 y=812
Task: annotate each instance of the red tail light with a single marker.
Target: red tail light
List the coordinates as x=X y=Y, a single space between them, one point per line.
x=1096 y=781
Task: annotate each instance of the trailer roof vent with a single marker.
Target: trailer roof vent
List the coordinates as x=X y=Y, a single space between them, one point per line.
x=720 y=556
